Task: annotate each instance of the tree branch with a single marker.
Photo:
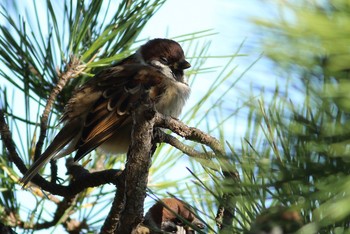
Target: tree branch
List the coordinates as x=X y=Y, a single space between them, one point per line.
x=137 y=167
x=112 y=220
x=74 y=68
x=189 y=133
x=6 y=137
x=161 y=136
x=225 y=212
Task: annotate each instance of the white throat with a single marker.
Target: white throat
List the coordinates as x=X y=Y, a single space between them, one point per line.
x=166 y=70
x=176 y=93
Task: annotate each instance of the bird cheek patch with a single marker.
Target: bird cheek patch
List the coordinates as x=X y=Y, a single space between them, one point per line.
x=168 y=226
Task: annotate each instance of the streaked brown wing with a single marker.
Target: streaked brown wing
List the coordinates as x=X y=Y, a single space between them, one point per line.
x=121 y=86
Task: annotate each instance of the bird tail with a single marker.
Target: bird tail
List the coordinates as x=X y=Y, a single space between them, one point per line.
x=67 y=135
x=34 y=169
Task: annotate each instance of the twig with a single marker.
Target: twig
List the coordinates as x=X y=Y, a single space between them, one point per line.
x=82 y=179
x=6 y=137
x=53 y=164
x=74 y=69
x=59 y=216
x=225 y=214
x=161 y=136
x=189 y=133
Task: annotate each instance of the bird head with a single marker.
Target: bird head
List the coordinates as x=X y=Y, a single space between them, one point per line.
x=167 y=56
x=165 y=215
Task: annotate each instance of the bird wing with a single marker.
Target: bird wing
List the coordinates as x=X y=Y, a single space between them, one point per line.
x=97 y=109
x=122 y=87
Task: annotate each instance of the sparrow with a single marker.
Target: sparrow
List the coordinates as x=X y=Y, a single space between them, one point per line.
x=98 y=113
x=163 y=216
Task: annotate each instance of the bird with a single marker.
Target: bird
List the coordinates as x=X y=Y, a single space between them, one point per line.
x=99 y=112
x=164 y=216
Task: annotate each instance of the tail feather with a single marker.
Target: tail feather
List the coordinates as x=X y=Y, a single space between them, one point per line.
x=67 y=134
x=34 y=169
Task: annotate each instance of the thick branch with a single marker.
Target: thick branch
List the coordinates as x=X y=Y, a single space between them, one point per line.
x=137 y=168
x=54 y=168
x=225 y=214
x=112 y=220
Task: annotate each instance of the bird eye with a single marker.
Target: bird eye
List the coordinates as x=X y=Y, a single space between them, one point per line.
x=178 y=222
x=164 y=60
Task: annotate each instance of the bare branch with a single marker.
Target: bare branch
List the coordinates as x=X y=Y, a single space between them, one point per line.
x=53 y=164
x=6 y=137
x=82 y=179
x=189 y=133
x=161 y=136
x=59 y=216
x=74 y=69
x=112 y=220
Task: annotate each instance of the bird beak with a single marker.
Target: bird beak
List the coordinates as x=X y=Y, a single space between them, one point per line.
x=183 y=65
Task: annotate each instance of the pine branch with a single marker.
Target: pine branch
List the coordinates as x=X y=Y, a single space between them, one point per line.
x=162 y=137
x=189 y=133
x=137 y=166
x=111 y=222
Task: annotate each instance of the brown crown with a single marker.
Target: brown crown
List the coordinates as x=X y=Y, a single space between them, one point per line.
x=159 y=48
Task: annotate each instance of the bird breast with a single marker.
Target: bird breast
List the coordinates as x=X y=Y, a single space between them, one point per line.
x=173 y=99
